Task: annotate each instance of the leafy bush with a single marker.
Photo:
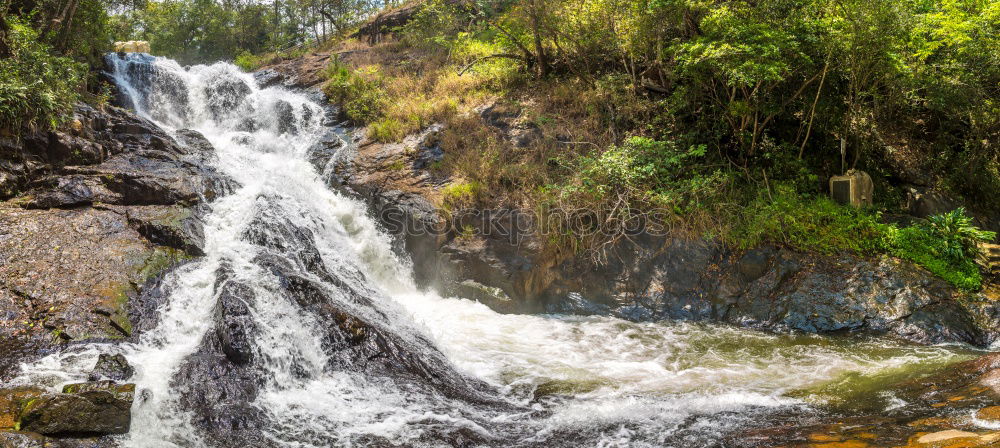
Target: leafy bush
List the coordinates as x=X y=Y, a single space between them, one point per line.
x=460 y=194
x=947 y=246
x=37 y=88
x=386 y=130
x=958 y=236
x=360 y=93
x=926 y=248
x=810 y=224
x=247 y=62
x=640 y=162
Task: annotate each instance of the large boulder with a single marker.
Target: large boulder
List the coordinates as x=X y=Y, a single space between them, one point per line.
x=86 y=408
x=112 y=367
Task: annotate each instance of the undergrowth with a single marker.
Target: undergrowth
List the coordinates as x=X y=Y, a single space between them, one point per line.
x=37 y=88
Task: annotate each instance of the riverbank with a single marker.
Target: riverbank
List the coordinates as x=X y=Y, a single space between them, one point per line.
x=476 y=244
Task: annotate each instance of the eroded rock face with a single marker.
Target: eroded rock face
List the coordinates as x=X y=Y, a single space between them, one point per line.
x=781 y=289
x=99 y=211
x=68 y=274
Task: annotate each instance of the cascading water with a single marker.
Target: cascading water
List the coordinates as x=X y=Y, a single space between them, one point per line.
x=332 y=345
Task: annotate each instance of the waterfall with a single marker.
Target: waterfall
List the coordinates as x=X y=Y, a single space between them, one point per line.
x=325 y=340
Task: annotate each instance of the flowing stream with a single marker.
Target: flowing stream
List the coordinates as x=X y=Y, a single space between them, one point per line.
x=529 y=380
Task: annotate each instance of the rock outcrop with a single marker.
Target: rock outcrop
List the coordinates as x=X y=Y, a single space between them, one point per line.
x=91 y=215
x=81 y=415
x=225 y=375
x=95 y=210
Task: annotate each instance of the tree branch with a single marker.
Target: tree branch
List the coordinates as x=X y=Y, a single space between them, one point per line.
x=492 y=56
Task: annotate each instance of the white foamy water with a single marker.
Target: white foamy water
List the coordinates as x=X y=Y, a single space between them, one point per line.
x=599 y=381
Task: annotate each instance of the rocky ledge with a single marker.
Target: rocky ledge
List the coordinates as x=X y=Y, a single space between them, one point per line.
x=90 y=216
x=92 y=212
x=82 y=414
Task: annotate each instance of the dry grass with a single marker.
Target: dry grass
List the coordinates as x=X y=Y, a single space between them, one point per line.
x=510 y=142
x=421 y=87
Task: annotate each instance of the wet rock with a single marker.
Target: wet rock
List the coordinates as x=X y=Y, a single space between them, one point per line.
x=65 y=148
x=21 y=440
x=991 y=414
x=67 y=191
x=268 y=78
x=950 y=435
x=225 y=94
x=87 y=408
x=94 y=229
x=234 y=325
x=220 y=380
x=69 y=274
x=285 y=117
x=111 y=367
x=11 y=403
x=172 y=226
x=491 y=296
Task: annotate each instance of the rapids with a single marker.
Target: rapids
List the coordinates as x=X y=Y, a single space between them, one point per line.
x=495 y=379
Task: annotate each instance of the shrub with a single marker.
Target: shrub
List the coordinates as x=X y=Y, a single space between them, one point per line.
x=926 y=248
x=809 y=224
x=958 y=236
x=459 y=194
x=386 y=130
x=37 y=88
x=247 y=62
x=360 y=93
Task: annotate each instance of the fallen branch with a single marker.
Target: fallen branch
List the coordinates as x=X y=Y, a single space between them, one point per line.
x=492 y=56
x=648 y=85
x=579 y=143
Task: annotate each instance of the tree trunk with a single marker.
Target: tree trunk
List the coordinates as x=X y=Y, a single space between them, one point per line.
x=541 y=59
x=65 y=32
x=5 y=51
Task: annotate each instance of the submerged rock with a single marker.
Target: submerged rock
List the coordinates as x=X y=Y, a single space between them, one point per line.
x=926 y=411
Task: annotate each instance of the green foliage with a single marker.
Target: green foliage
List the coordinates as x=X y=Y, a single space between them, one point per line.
x=37 y=88
x=460 y=194
x=386 y=130
x=959 y=237
x=247 y=62
x=926 y=248
x=639 y=163
x=360 y=93
x=744 y=45
x=814 y=224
